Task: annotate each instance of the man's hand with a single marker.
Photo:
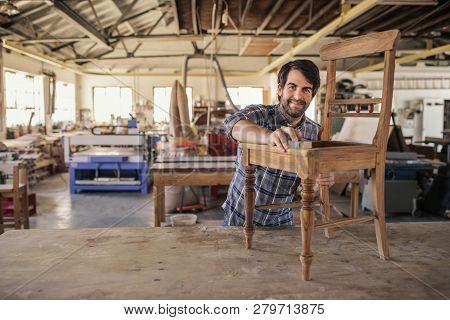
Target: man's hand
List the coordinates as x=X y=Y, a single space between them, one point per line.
x=325 y=179
x=281 y=136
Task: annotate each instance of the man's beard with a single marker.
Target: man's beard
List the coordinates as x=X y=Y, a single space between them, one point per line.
x=295 y=115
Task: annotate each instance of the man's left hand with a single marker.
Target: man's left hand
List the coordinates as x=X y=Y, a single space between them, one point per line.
x=325 y=179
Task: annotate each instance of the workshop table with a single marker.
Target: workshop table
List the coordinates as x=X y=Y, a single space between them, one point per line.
x=188 y=171
x=202 y=262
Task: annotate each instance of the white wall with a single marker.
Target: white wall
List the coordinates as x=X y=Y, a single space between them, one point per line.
x=20 y=62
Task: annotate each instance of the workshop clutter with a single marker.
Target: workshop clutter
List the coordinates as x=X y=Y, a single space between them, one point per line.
x=176 y=148
x=220 y=145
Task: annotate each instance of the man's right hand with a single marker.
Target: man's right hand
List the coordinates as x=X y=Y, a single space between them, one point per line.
x=281 y=136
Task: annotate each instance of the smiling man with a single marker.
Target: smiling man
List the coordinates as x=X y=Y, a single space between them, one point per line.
x=275 y=125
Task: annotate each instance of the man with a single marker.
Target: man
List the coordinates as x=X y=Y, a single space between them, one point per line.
x=275 y=125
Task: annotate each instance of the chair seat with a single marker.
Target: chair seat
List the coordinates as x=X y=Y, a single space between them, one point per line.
x=9 y=187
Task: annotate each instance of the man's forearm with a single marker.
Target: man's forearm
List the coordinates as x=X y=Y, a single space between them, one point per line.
x=249 y=132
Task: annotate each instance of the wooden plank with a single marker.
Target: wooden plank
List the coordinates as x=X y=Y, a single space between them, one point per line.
x=193 y=178
x=343 y=222
x=355 y=101
x=259 y=47
x=358 y=46
x=354 y=115
x=341 y=165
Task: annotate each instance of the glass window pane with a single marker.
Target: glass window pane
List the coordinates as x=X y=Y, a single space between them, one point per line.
x=161 y=103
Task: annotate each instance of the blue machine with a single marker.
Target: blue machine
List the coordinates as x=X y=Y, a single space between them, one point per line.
x=107 y=162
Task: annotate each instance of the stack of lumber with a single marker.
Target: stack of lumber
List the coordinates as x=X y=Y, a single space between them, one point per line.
x=37 y=152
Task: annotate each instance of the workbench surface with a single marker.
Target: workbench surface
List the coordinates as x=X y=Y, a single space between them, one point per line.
x=212 y=263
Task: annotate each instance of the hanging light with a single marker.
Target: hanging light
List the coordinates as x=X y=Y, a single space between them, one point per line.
x=7 y=8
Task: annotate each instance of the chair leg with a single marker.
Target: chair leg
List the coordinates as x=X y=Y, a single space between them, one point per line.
x=16 y=204
x=307 y=226
x=158 y=204
x=326 y=212
x=2 y=227
x=249 y=205
x=355 y=199
x=378 y=202
x=25 y=210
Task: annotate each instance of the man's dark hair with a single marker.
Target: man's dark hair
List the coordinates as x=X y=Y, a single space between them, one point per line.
x=306 y=67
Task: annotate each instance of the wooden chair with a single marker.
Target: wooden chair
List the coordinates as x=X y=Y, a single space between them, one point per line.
x=312 y=158
x=18 y=191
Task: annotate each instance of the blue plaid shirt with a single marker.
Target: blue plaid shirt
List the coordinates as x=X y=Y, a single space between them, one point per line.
x=271 y=185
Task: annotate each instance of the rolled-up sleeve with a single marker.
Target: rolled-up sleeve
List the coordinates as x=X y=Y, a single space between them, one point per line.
x=255 y=113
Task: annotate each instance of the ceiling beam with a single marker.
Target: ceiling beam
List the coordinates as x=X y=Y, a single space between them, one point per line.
x=322 y=11
x=294 y=16
x=269 y=17
x=72 y=16
x=398 y=17
x=363 y=20
x=402 y=2
x=99 y=23
x=175 y=15
x=227 y=55
x=353 y=13
x=432 y=22
x=405 y=59
x=37 y=11
x=39 y=56
x=150 y=30
x=124 y=14
x=128 y=24
x=426 y=16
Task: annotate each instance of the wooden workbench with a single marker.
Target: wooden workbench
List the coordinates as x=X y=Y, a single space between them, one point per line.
x=211 y=263
x=187 y=171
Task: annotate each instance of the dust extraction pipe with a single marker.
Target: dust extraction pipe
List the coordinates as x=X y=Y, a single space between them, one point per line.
x=219 y=70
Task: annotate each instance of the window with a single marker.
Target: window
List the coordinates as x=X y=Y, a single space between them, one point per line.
x=23 y=94
x=65 y=102
x=244 y=96
x=311 y=111
x=109 y=101
x=161 y=103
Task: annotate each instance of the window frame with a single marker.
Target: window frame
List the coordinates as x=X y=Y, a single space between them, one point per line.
x=105 y=87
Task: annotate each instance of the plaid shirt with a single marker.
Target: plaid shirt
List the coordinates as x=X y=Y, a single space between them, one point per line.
x=271 y=185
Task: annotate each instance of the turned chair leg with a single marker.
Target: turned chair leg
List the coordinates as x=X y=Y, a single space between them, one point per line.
x=379 y=211
x=2 y=227
x=326 y=212
x=355 y=199
x=307 y=226
x=249 y=199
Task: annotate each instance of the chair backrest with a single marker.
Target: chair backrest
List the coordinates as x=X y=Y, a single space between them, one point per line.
x=20 y=175
x=355 y=47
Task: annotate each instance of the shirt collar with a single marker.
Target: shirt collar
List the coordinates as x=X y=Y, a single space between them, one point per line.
x=281 y=119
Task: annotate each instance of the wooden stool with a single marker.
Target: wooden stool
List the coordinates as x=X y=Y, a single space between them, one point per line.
x=18 y=191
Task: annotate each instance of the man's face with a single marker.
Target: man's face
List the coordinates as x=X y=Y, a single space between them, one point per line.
x=296 y=95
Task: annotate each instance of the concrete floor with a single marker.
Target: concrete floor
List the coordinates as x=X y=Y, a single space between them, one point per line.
x=58 y=209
